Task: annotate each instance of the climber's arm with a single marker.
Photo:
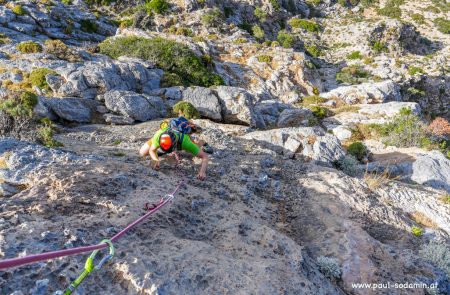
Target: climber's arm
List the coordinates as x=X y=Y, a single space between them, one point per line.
x=154 y=155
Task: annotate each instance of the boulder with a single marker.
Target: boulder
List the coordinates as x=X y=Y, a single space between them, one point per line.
x=77 y=110
x=294 y=117
x=140 y=107
x=432 y=169
x=269 y=111
x=366 y=93
x=118 y=120
x=388 y=110
x=6 y=15
x=205 y=101
x=327 y=149
x=237 y=105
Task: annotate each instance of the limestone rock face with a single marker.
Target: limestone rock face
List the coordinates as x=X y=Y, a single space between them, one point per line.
x=205 y=100
x=140 y=107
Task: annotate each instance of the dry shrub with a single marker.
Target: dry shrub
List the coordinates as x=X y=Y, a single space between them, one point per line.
x=374 y=180
x=423 y=220
x=439 y=127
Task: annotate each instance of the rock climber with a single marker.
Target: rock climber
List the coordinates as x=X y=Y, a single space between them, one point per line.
x=176 y=135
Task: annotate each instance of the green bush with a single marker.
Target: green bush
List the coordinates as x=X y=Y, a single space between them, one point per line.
x=174 y=58
x=88 y=26
x=309 y=26
x=319 y=112
x=418 y=18
x=285 y=39
x=189 y=111
x=46 y=132
x=405 y=130
x=313 y=50
x=260 y=14
x=417 y=231
x=350 y=165
x=276 y=6
x=67 y=2
x=156 y=6
x=312 y=100
x=354 y=55
x=37 y=77
x=415 y=70
x=379 y=47
x=358 y=150
x=18 y=9
x=264 y=58
x=29 y=47
x=352 y=75
x=258 y=33
x=212 y=18
x=443 y=25
x=329 y=267
x=392 y=9
x=21 y=106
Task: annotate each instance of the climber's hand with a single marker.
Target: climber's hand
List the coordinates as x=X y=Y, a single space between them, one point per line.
x=201 y=176
x=157 y=165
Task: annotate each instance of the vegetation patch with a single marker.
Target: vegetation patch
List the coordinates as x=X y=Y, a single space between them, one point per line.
x=445 y=199
x=19 y=10
x=46 y=133
x=312 y=100
x=439 y=254
x=313 y=50
x=212 y=18
x=346 y=109
x=352 y=75
x=319 y=112
x=258 y=32
x=276 y=6
x=358 y=150
x=355 y=55
x=29 y=47
x=379 y=47
x=391 y=9
x=21 y=106
x=443 y=25
x=174 y=58
x=156 y=6
x=417 y=231
x=61 y=50
x=260 y=14
x=418 y=18
x=412 y=70
x=329 y=267
x=285 y=39
x=188 y=109
x=37 y=77
x=350 y=165
x=264 y=58
x=309 y=26
x=375 y=180
x=88 y=26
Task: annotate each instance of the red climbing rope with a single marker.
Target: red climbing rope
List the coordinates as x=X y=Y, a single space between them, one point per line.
x=14 y=262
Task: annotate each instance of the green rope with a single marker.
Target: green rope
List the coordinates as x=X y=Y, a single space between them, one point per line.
x=89 y=267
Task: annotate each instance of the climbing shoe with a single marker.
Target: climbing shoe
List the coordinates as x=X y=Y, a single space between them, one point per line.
x=207 y=149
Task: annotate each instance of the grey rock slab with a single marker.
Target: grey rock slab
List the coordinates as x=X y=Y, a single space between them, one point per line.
x=294 y=117
x=140 y=107
x=205 y=101
x=77 y=110
x=237 y=105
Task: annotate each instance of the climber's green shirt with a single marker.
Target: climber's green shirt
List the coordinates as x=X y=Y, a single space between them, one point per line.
x=186 y=145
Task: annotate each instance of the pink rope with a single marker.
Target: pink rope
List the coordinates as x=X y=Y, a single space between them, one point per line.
x=13 y=262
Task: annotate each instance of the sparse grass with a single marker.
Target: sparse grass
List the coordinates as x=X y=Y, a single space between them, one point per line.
x=374 y=180
x=379 y=47
x=418 y=18
x=318 y=111
x=346 y=109
x=423 y=220
x=240 y=41
x=413 y=70
x=354 y=55
x=19 y=106
x=212 y=18
x=417 y=231
x=18 y=9
x=443 y=25
x=29 y=47
x=445 y=199
x=352 y=75
x=312 y=100
x=391 y=9
x=264 y=58
x=61 y=50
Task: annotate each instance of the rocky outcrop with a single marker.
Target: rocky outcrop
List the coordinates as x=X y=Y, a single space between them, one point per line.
x=310 y=143
x=366 y=93
x=94 y=78
x=236 y=105
x=76 y=110
x=140 y=107
x=432 y=169
x=205 y=101
x=294 y=117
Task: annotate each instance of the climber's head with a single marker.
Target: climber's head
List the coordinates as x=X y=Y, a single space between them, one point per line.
x=167 y=141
